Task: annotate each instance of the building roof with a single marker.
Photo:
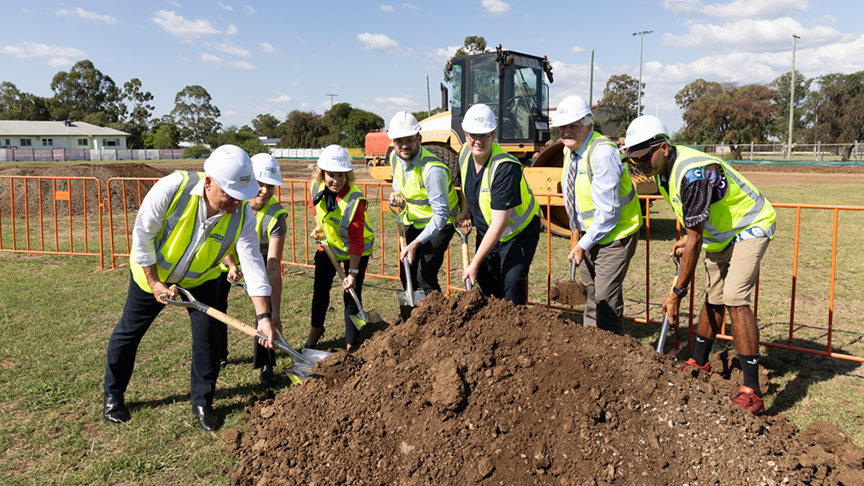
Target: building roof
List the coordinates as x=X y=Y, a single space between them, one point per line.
x=18 y=128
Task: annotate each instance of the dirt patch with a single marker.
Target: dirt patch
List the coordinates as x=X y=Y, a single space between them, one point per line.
x=569 y=293
x=471 y=390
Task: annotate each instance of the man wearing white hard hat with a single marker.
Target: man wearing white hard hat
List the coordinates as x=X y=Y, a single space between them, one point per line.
x=729 y=218
x=271 y=227
x=423 y=188
x=604 y=211
x=340 y=212
x=186 y=223
x=499 y=202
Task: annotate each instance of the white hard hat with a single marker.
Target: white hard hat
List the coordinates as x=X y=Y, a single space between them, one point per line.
x=267 y=169
x=335 y=159
x=571 y=109
x=403 y=124
x=231 y=168
x=641 y=130
x=479 y=119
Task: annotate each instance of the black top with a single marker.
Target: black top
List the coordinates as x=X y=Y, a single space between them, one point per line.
x=505 y=191
x=700 y=188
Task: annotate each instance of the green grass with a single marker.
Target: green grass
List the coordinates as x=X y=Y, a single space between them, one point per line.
x=56 y=314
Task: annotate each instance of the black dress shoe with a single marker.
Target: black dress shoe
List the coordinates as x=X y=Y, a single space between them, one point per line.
x=207 y=418
x=114 y=409
x=268 y=379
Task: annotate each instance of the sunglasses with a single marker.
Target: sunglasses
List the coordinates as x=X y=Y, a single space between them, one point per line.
x=644 y=154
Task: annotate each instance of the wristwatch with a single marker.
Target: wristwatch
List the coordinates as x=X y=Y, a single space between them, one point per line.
x=680 y=292
x=353 y=271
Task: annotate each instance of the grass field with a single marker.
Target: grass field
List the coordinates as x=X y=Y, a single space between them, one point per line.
x=56 y=314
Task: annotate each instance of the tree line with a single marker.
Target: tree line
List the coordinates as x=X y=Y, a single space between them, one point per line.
x=86 y=94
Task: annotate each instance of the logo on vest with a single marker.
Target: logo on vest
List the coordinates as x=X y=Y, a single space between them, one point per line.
x=218 y=238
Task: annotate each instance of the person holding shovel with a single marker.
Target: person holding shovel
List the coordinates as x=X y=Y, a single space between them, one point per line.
x=186 y=223
x=603 y=208
x=271 y=227
x=724 y=214
x=423 y=188
x=340 y=212
x=499 y=202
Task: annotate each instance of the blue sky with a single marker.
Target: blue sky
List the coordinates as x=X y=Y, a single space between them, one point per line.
x=281 y=55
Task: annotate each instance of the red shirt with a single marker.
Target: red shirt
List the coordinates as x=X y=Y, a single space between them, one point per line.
x=356 y=241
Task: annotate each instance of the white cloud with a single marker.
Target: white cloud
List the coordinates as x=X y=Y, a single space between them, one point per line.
x=385 y=7
x=220 y=62
x=226 y=7
x=80 y=12
x=409 y=6
x=59 y=62
x=280 y=99
x=496 y=7
x=751 y=35
x=401 y=102
x=577 y=49
x=35 y=49
x=377 y=42
x=231 y=30
x=176 y=4
x=230 y=113
x=830 y=19
x=177 y=25
x=229 y=47
x=268 y=48
x=759 y=9
x=444 y=54
x=249 y=9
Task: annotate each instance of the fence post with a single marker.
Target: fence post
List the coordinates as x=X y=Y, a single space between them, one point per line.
x=751 y=150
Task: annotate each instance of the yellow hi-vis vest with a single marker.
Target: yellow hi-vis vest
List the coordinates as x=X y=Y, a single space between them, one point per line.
x=418 y=212
x=174 y=239
x=336 y=223
x=741 y=208
x=522 y=214
x=265 y=219
x=631 y=214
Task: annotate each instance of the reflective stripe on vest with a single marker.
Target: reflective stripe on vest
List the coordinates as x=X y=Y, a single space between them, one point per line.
x=337 y=222
x=745 y=207
x=522 y=214
x=265 y=220
x=419 y=212
x=175 y=239
x=630 y=217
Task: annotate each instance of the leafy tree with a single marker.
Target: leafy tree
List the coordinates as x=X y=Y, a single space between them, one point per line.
x=244 y=139
x=693 y=91
x=196 y=152
x=302 y=129
x=348 y=126
x=136 y=133
x=779 y=124
x=836 y=111
x=620 y=101
x=15 y=105
x=421 y=115
x=474 y=44
x=139 y=102
x=165 y=136
x=727 y=113
x=266 y=125
x=194 y=114
x=85 y=94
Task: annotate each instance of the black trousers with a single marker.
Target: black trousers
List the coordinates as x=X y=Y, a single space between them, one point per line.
x=261 y=356
x=504 y=272
x=428 y=259
x=140 y=311
x=324 y=273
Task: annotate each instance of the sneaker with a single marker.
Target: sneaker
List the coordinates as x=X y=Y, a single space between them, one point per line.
x=746 y=399
x=691 y=365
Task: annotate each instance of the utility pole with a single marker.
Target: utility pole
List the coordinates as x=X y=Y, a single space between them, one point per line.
x=331 y=98
x=641 y=34
x=591 y=82
x=428 y=97
x=791 y=100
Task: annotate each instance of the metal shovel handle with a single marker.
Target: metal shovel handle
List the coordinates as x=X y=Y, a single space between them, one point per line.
x=573 y=270
x=664 y=330
x=403 y=242
x=342 y=277
x=465 y=262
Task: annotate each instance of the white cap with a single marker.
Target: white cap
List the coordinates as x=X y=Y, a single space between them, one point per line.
x=570 y=110
x=642 y=129
x=335 y=159
x=267 y=169
x=403 y=124
x=231 y=168
x=479 y=119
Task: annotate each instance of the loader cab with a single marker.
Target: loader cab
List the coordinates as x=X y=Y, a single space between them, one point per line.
x=512 y=85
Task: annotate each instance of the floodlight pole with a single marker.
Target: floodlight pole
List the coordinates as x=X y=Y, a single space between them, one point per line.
x=641 y=34
x=791 y=100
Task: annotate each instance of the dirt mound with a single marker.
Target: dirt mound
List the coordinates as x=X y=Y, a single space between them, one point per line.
x=475 y=391
x=80 y=192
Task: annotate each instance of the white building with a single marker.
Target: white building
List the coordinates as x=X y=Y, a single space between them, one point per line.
x=59 y=134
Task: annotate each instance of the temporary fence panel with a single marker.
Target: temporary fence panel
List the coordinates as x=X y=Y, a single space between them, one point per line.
x=51 y=215
x=124 y=196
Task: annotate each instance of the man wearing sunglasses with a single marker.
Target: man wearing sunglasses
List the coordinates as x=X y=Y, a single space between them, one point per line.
x=725 y=215
x=603 y=208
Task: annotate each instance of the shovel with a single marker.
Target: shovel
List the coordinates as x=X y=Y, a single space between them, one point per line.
x=361 y=318
x=571 y=292
x=409 y=297
x=303 y=366
x=665 y=328
x=465 y=261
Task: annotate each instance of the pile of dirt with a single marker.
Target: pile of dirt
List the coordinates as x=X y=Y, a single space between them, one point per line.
x=569 y=293
x=471 y=390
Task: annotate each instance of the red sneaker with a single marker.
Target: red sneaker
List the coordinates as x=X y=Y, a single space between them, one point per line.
x=746 y=399
x=691 y=364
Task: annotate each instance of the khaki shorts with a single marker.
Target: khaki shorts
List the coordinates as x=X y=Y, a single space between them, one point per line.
x=732 y=272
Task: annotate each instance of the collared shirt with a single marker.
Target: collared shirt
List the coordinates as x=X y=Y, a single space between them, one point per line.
x=151 y=219
x=437 y=191
x=605 y=192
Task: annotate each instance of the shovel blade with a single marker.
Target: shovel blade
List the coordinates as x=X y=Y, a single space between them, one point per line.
x=419 y=295
x=315 y=355
x=402 y=297
x=358 y=321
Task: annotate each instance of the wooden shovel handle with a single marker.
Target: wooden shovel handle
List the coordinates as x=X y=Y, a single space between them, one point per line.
x=236 y=324
x=465 y=261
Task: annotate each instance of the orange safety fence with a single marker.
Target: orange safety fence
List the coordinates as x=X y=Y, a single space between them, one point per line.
x=124 y=196
x=51 y=215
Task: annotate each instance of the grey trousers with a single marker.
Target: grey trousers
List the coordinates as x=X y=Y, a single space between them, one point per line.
x=603 y=270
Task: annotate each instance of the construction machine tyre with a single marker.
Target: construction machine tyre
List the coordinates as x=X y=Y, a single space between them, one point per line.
x=448 y=156
x=552 y=155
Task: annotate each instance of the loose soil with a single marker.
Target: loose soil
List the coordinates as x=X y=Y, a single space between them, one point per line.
x=476 y=390
x=569 y=293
